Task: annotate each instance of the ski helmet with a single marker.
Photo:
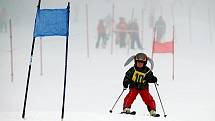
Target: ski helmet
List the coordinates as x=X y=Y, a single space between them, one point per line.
x=141 y=57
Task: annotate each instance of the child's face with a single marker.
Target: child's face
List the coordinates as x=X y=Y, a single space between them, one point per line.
x=140 y=64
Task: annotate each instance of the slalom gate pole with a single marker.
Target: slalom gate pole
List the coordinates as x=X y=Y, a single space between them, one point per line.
x=173 y=53
x=41 y=56
x=142 y=26
x=160 y=100
x=210 y=25
x=65 y=72
x=154 y=29
x=112 y=27
x=87 y=29
x=28 y=78
x=11 y=50
x=111 y=110
x=29 y=70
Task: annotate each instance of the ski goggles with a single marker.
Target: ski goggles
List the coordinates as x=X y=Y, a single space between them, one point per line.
x=140 y=61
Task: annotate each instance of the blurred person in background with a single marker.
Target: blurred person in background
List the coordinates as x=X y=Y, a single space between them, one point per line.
x=101 y=34
x=134 y=34
x=121 y=29
x=3 y=20
x=160 y=28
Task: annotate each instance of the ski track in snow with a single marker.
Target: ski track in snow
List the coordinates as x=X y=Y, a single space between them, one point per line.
x=94 y=83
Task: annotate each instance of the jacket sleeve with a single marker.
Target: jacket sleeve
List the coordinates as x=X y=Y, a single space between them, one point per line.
x=151 y=78
x=127 y=78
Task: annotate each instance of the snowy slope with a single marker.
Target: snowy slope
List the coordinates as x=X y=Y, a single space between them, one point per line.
x=91 y=96
x=94 y=83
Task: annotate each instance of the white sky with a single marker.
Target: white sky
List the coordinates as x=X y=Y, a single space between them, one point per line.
x=94 y=83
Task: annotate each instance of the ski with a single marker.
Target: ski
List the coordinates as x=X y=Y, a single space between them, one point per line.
x=134 y=112
x=156 y=115
x=131 y=113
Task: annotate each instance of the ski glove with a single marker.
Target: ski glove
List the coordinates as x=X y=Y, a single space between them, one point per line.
x=125 y=85
x=126 y=82
x=153 y=79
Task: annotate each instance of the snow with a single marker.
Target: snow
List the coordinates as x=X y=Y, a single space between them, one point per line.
x=95 y=82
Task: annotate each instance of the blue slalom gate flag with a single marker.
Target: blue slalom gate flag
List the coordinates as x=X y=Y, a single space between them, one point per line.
x=51 y=22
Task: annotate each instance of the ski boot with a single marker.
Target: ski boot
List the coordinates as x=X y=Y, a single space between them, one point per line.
x=154 y=114
x=127 y=111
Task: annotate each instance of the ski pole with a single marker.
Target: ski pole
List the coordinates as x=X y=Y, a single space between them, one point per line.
x=160 y=99
x=111 y=110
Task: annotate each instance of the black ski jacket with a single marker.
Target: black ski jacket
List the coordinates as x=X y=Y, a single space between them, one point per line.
x=139 y=78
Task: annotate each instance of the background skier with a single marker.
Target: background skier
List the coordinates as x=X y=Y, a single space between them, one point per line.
x=101 y=34
x=3 y=20
x=122 y=27
x=160 y=28
x=134 y=34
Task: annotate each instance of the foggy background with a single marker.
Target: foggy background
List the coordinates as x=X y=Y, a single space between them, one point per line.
x=94 y=77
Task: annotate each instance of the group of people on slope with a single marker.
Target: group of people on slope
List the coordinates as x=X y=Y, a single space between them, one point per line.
x=126 y=33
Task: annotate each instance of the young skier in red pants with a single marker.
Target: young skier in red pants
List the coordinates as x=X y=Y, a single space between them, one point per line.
x=137 y=78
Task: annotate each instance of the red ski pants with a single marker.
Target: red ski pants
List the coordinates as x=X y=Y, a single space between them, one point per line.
x=145 y=95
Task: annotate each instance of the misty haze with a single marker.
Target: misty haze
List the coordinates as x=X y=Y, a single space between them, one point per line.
x=178 y=35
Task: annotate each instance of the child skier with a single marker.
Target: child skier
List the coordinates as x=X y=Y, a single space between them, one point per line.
x=137 y=78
